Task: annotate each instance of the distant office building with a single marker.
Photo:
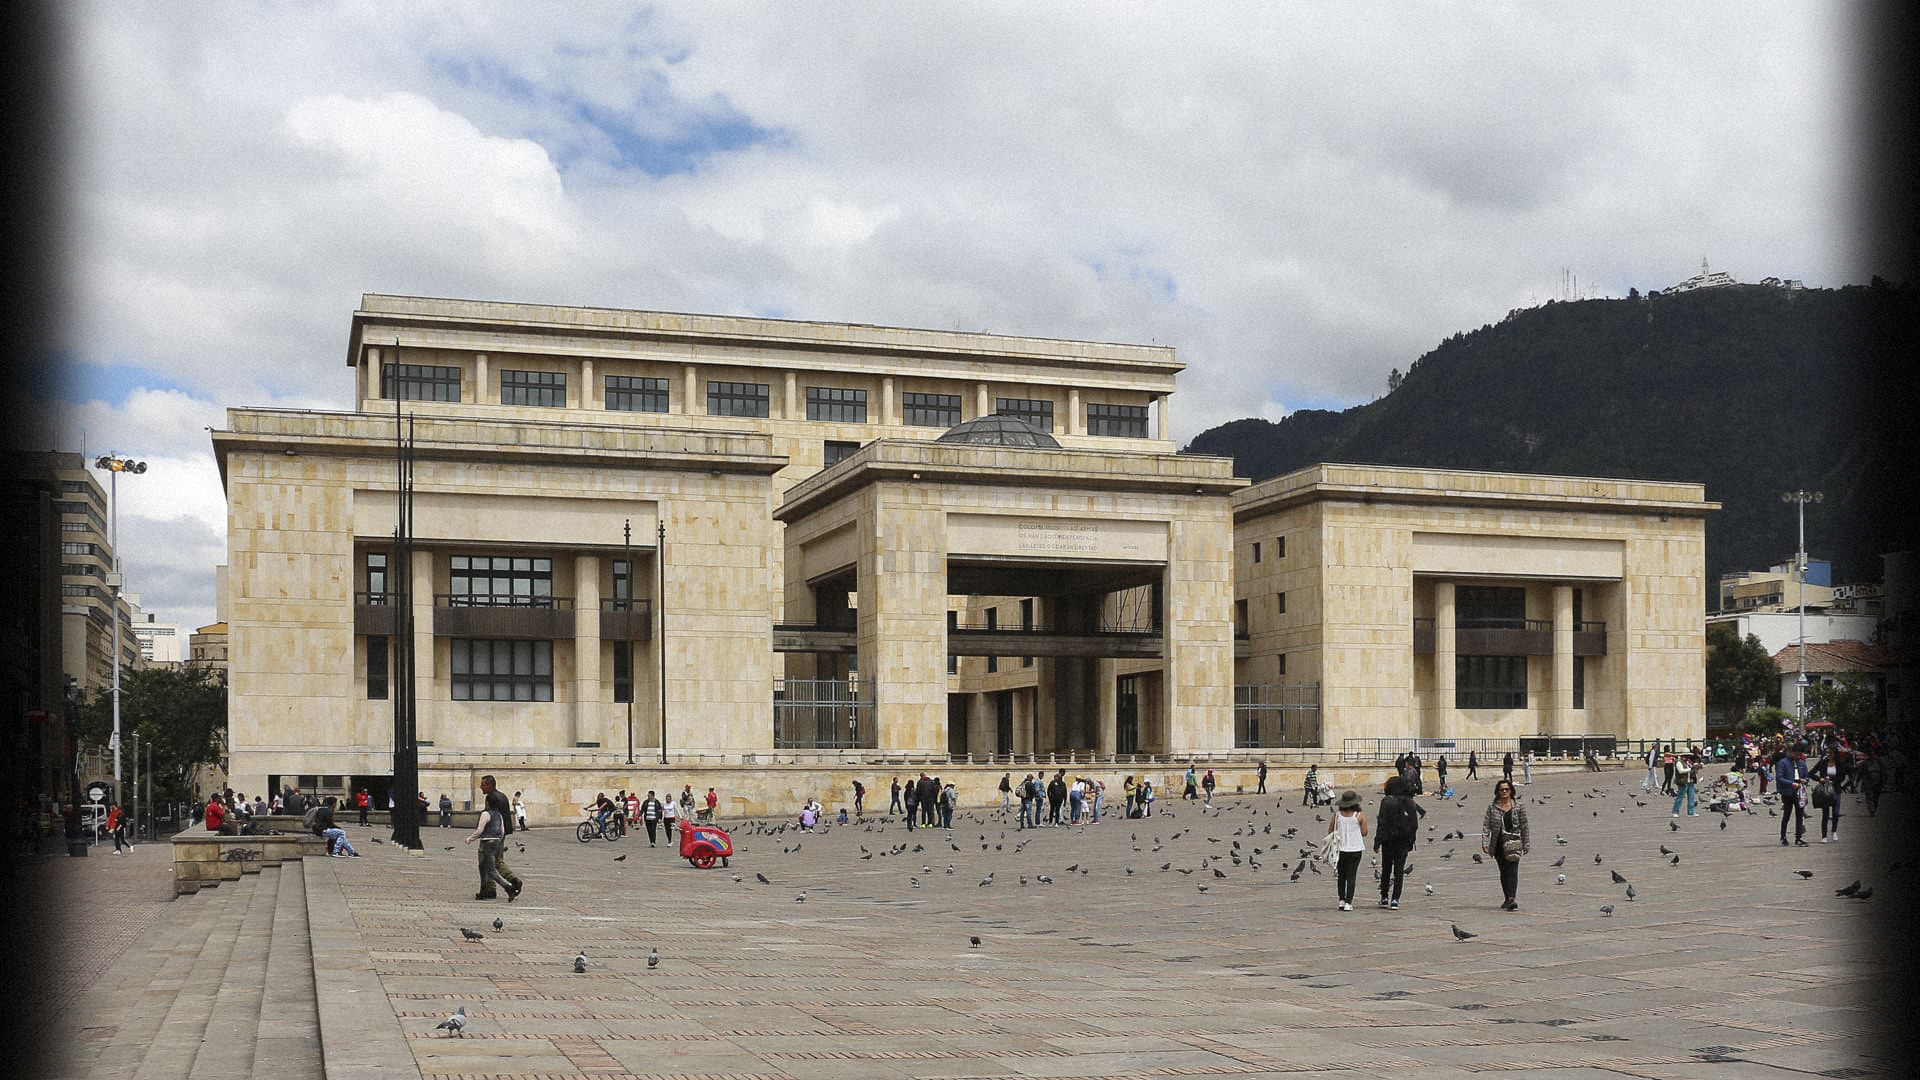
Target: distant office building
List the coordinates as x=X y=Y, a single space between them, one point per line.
x=1776 y=588
x=160 y=643
x=86 y=569
x=207 y=647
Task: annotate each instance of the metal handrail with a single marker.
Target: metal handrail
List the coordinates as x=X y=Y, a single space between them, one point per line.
x=1585 y=626
x=608 y=603
x=375 y=599
x=1103 y=628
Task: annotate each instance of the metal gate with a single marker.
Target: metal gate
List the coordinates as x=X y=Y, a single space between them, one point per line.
x=822 y=714
x=1276 y=715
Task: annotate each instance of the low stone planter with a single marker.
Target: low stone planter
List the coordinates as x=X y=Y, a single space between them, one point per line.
x=202 y=859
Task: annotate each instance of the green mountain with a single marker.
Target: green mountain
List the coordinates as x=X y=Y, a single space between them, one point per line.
x=1751 y=390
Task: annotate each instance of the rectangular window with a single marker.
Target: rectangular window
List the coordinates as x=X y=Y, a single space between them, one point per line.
x=1119 y=421
x=1035 y=411
x=838 y=452
x=1280 y=603
x=419 y=382
x=82 y=569
x=953 y=623
x=377 y=591
x=633 y=394
x=75 y=526
x=1579 y=607
x=1026 y=623
x=500 y=581
x=376 y=669
x=930 y=410
x=736 y=399
x=993 y=623
x=502 y=670
x=622 y=671
x=1256 y=551
x=1579 y=682
x=1279 y=665
x=833 y=404
x=1490 y=607
x=70 y=547
x=544 y=389
x=622 y=580
x=1490 y=682
x=1239 y=618
x=1279 y=547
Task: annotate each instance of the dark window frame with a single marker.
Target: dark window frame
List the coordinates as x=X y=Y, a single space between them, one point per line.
x=533 y=389
x=1490 y=682
x=1256 y=552
x=1117 y=421
x=465 y=575
x=953 y=624
x=1579 y=682
x=420 y=382
x=535 y=683
x=377 y=668
x=637 y=393
x=747 y=399
x=837 y=451
x=929 y=410
x=993 y=623
x=1280 y=602
x=836 y=405
x=1035 y=411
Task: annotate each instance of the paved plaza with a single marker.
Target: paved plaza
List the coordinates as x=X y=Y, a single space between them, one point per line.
x=1727 y=964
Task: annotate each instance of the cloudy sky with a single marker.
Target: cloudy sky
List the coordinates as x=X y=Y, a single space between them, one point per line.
x=1297 y=196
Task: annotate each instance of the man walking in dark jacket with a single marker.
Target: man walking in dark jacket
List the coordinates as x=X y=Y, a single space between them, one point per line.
x=1789 y=775
x=496 y=801
x=1394 y=834
x=1056 y=796
x=651 y=811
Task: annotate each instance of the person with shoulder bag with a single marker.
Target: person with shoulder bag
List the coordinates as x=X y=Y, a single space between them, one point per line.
x=1685 y=770
x=1348 y=828
x=1827 y=776
x=1504 y=836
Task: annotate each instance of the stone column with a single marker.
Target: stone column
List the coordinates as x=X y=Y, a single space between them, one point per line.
x=902 y=616
x=1165 y=422
x=1197 y=598
x=1076 y=422
x=586 y=651
x=981 y=725
x=790 y=397
x=1107 y=706
x=426 y=697
x=982 y=403
x=886 y=401
x=1439 y=720
x=1563 y=720
x=589 y=394
x=482 y=387
x=690 y=392
x=369 y=378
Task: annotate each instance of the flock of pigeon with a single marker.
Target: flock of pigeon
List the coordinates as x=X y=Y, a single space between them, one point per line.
x=1251 y=844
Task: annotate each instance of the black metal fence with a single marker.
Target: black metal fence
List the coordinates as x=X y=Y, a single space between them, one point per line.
x=1276 y=716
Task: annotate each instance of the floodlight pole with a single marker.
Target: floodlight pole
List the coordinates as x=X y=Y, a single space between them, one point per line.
x=1801 y=497
x=114 y=466
x=626 y=543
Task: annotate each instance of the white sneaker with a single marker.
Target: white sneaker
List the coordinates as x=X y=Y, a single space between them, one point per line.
x=1823 y=839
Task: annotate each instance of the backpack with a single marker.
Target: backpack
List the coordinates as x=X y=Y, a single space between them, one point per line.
x=1398 y=819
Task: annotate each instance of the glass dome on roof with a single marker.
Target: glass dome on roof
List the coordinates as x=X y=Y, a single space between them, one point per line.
x=999 y=431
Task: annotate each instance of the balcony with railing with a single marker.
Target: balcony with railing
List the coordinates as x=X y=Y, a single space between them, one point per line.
x=1510 y=637
x=626 y=620
x=467 y=615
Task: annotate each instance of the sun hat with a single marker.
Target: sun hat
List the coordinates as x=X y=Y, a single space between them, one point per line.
x=1349 y=800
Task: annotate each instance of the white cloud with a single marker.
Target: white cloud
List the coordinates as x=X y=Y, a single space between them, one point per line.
x=1297 y=196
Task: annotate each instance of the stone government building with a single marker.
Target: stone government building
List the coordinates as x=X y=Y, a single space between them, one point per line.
x=886 y=547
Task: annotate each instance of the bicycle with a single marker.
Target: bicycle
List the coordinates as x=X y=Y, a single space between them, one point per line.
x=591 y=830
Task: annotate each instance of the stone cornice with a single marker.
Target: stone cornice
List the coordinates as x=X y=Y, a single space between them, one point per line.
x=1339 y=482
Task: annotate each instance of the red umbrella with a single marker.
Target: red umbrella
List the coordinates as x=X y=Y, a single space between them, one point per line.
x=1820 y=723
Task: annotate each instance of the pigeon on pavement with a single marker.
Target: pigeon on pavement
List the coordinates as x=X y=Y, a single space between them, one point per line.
x=472 y=936
x=455 y=1024
x=498 y=926
x=1849 y=890
x=580 y=962
x=1462 y=935
x=653 y=958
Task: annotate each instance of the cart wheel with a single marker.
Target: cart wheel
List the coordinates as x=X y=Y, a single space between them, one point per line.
x=702 y=860
x=584 y=831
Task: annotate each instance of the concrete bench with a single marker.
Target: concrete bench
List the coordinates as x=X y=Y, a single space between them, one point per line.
x=202 y=859
x=350 y=818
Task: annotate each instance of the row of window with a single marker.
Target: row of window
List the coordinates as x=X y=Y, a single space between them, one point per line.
x=1500 y=682
x=75 y=547
x=548 y=389
x=1279 y=548
x=490 y=670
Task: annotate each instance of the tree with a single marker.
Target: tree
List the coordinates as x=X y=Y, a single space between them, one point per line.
x=1764 y=720
x=180 y=712
x=1394 y=379
x=1848 y=703
x=1739 y=671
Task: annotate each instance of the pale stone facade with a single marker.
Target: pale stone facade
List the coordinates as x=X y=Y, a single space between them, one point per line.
x=1066 y=599
x=1369 y=557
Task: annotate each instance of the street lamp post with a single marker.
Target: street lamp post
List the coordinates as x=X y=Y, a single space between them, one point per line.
x=626 y=541
x=1801 y=497
x=115 y=465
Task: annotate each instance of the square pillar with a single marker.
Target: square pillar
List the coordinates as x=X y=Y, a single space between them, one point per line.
x=982 y=723
x=902 y=618
x=790 y=397
x=1439 y=719
x=1197 y=594
x=427 y=701
x=1107 y=706
x=482 y=386
x=690 y=390
x=1165 y=422
x=982 y=403
x=1563 y=721
x=886 y=401
x=586 y=651
x=1076 y=419
x=589 y=394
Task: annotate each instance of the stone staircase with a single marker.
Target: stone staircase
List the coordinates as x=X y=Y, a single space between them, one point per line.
x=225 y=988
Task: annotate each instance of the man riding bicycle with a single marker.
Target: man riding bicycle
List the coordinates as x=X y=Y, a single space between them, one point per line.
x=602 y=810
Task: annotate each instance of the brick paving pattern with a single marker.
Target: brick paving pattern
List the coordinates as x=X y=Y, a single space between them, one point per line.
x=1726 y=965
